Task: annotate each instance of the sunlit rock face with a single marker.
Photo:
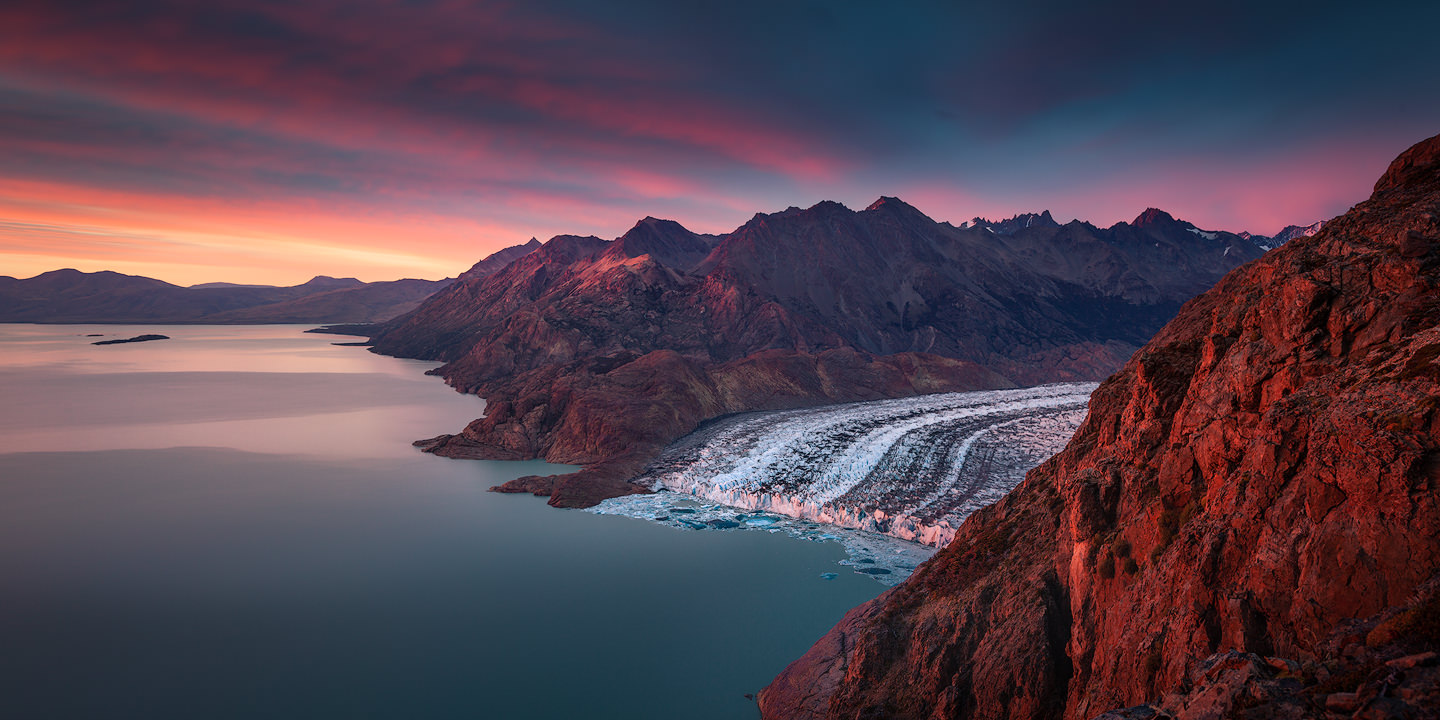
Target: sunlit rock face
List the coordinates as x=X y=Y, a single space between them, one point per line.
x=912 y=467
x=1256 y=491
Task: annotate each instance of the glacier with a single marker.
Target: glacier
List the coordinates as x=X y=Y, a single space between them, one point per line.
x=911 y=468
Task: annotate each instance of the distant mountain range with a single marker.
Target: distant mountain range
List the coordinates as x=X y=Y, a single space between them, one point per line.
x=1042 y=219
x=71 y=296
x=599 y=352
x=1290 y=232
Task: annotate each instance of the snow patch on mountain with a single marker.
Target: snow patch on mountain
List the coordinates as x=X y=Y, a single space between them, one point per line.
x=1288 y=233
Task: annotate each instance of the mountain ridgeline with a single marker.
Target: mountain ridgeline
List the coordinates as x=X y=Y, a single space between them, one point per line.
x=598 y=353
x=71 y=296
x=1247 y=524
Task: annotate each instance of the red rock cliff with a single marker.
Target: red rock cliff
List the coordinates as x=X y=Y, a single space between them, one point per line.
x=1261 y=477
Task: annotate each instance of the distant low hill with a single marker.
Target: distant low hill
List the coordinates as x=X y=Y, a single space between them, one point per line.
x=71 y=296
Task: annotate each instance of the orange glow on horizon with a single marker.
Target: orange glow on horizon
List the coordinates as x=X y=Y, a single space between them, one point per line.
x=268 y=143
x=186 y=241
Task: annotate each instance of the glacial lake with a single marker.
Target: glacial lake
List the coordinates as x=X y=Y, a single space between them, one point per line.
x=233 y=524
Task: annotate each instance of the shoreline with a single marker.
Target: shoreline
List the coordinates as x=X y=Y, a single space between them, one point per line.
x=887 y=559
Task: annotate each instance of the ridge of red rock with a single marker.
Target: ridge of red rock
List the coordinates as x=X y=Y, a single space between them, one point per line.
x=1247 y=524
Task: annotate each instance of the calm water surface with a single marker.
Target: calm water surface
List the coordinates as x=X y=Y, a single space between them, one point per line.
x=232 y=524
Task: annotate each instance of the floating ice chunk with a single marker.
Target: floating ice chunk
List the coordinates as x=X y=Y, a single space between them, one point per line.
x=898 y=557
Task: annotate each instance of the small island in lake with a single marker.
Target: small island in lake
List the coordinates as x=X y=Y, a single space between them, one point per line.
x=137 y=338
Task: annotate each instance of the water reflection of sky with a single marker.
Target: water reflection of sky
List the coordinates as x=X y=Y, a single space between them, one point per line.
x=262 y=389
x=306 y=561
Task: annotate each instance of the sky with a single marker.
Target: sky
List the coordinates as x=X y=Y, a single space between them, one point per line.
x=266 y=142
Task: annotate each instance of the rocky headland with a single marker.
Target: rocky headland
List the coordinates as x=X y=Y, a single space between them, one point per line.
x=1247 y=524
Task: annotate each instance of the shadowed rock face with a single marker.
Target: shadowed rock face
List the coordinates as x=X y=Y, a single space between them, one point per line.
x=1261 y=477
x=600 y=352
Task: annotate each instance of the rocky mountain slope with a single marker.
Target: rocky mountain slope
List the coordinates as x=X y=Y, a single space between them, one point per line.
x=71 y=296
x=599 y=352
x=496 y=261
x=1247 y=524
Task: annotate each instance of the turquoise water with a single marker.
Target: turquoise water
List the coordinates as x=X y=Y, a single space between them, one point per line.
x=232 y=523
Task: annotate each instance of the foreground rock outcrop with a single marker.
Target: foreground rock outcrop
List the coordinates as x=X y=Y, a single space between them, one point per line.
x=598 y=353
x=1261 y=479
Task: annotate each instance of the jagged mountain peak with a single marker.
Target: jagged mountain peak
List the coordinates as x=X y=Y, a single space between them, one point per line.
x=650 y=223
x=572 y=246
x=886 y=202
x=1286 y=234
x=498 y=260
x=1290 y=232
x=1154 y=216
x=1012 y=225
x=828 y=206
x=665 y=241
x=1294 y=231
